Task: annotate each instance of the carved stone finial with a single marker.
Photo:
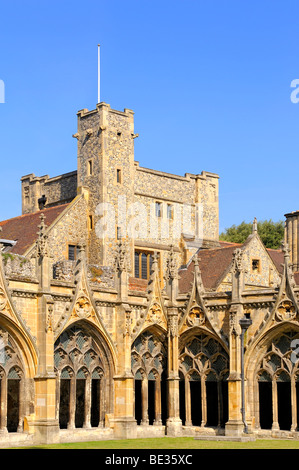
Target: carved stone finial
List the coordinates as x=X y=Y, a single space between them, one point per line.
x=171 y=265
x=81 y=248
x=286 y=250
x=120 y=261
x=42 y=240
x=238 y=262
x=254 y=226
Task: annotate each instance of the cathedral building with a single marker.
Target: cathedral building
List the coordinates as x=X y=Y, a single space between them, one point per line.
x=122 y=314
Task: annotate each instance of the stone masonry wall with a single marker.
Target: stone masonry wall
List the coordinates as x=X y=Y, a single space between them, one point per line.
x=58 y=190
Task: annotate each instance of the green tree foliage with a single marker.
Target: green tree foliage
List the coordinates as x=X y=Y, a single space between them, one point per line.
x=271 y=233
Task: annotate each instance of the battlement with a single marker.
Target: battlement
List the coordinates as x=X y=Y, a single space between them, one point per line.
x=40 y=192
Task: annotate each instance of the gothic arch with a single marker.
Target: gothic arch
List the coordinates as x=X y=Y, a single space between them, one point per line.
x=99 y=336
x=26 y=347
x=204 y=369
x=16 y=390
x=257 y=350
x=85 y=368
x=149 y=365
x=272 y=370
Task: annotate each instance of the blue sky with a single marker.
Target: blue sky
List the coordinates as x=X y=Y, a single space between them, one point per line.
x=209 y=82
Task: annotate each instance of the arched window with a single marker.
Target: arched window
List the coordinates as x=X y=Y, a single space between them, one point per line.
x=204 y=367
x=83 y=379
x=12 y=393
x=277 y=384
x=148 y=366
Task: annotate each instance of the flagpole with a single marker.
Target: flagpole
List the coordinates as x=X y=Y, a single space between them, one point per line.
x=99 y=75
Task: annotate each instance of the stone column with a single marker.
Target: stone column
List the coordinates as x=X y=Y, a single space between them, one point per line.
x=3 y=399
x=125 y=425
x=294 y=404
x=72 y=404
x=203 y=401
x=158 y=419
x=256 y=394
x=21 y=403
x=102 y=402
x=144 y=398
x=57 y=397
x=87 y=408
x=174 y=423
x=188 y=401
x=275 y=425
x=290 y=236
x=45 y=424
x=235 y=425
x=294 y=243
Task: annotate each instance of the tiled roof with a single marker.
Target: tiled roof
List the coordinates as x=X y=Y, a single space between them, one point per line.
x=23 y=229
x=214 y=263
x=277 y=258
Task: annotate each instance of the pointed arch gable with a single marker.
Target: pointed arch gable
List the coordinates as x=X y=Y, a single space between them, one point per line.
x=263 y=348
x=26 y=348
x=155 y=312
x=195 y=313
x=83 y=308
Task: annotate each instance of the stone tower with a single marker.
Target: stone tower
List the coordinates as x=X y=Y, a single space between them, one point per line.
x=291 y=235
x=105 y=172
x=150 y=210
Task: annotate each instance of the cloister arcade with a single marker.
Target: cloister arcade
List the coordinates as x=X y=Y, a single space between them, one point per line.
x=84 y=385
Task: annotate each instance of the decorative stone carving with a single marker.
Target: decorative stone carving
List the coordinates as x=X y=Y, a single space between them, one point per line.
x=286 y=310
x=238 y=261
x=148 y=355
x=155 y=314
x=120 y=257
x=171 y=266
x=128 y=323
x=49 y=324
x=42 y=240
x=3 y=299
x=233 y=324
x=83 y=308
x=173 y=325
x=196 y=316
